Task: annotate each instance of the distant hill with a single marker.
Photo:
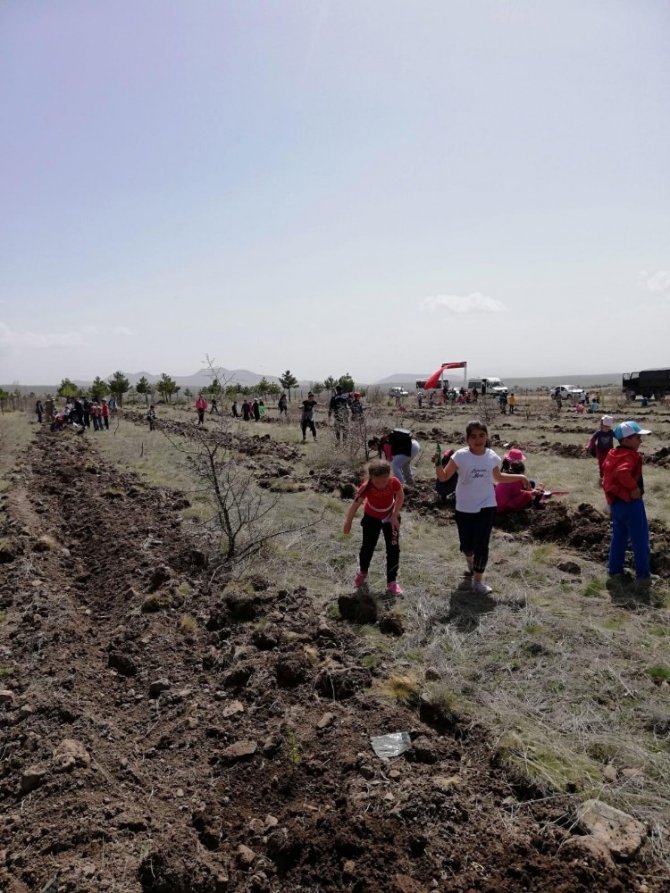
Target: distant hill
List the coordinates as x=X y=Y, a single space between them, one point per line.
x=203 y=377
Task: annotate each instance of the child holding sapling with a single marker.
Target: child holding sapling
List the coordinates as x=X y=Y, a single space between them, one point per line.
x=478 y=469
x=382 y=496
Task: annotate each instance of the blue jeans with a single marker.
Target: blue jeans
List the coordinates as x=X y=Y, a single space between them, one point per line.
x=629 y=523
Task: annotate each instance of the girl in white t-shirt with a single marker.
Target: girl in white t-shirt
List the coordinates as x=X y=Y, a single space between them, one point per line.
x=478 y=470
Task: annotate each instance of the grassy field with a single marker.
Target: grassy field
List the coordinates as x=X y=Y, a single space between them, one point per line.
x=572 y=686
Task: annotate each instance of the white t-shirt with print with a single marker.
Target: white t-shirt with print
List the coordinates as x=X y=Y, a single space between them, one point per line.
x=475 y=489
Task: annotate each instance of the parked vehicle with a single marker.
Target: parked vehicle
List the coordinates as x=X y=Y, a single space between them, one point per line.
x=575 y=395
x=648 y=383
x=398 y=392
x=494 y=386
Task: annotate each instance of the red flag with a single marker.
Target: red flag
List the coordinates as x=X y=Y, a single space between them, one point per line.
x=435 y=377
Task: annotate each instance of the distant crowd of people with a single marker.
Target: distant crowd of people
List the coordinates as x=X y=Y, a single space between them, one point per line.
x=80 y=412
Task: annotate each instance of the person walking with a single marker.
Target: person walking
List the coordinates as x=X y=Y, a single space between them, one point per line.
x=512 y=403
x=382 y=496
x=478 y=469
x=256 y=410
x=96 y=416
x=151 y=417
x=39 y=409
x=339 y=409
x=282 y=406
x=307 y=417
x=234 y=410
x=201 y=407
x=246 y=410
x=624 y=490
x=104 y=412
x=214 y=407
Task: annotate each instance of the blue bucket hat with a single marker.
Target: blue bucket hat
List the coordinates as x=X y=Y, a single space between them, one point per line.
x=627 y=429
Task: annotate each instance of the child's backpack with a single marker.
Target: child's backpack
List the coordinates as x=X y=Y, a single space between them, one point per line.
x=401 y=442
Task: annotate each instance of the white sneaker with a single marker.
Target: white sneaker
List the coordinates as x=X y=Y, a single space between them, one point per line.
x=481 y=588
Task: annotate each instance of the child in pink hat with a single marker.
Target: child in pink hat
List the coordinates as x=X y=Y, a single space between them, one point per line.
x=512 y=497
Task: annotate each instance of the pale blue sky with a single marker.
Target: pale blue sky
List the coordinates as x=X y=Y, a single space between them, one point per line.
x=374 y=186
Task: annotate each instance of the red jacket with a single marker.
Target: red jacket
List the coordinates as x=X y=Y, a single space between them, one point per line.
x=622 y=473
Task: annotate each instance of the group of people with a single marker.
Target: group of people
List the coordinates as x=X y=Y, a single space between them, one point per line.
x=482 y=484
x=80 y=412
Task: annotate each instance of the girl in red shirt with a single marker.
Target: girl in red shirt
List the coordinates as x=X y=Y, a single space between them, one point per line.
x=382 y=496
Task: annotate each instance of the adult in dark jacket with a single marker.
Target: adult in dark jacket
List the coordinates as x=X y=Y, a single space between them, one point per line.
x=339 y=409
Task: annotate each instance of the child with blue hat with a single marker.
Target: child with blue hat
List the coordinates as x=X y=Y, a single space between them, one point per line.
x=624 y=489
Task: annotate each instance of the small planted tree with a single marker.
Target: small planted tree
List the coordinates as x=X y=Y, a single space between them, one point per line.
x=67 y=389
x=346 y=382
x=144 y=388
x=243 y=513
x=263 y=386
x=329 y=383
x=99 y=388
x=118 y=386
x=166 y=387
x=288 y=381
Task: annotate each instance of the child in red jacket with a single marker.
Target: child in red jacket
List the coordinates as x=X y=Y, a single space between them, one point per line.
x=382 y=496
x=624 y=488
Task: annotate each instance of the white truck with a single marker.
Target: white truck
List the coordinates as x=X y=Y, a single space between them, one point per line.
x=493 y=385
x=566 y=392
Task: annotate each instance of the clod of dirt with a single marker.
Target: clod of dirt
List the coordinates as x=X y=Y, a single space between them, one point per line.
x=292 y=671
x=8 y=551
x=342 y=684
x=264 y=640
x=157 y=688
x=240 y=751
x=242 y=607
x=45 y=544
x=360 y=607
x=569 y=567
x=179 y=869
x=391 y=624
x=159 y=576
x=69 y=754
x=32 y=778
x=123 y=664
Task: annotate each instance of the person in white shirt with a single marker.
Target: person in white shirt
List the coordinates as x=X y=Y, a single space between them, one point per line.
x=478 y=470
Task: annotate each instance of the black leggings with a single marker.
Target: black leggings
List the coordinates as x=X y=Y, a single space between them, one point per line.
x=304 y=425
x=371 y=529
x=474 y=532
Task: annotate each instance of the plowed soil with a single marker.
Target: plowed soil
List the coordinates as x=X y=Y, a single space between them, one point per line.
x=165 y=734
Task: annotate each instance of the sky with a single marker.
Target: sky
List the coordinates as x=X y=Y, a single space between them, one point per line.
x=331 y=186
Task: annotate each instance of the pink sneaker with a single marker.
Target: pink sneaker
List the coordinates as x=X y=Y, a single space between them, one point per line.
x=359 y=579
x=394 y=588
